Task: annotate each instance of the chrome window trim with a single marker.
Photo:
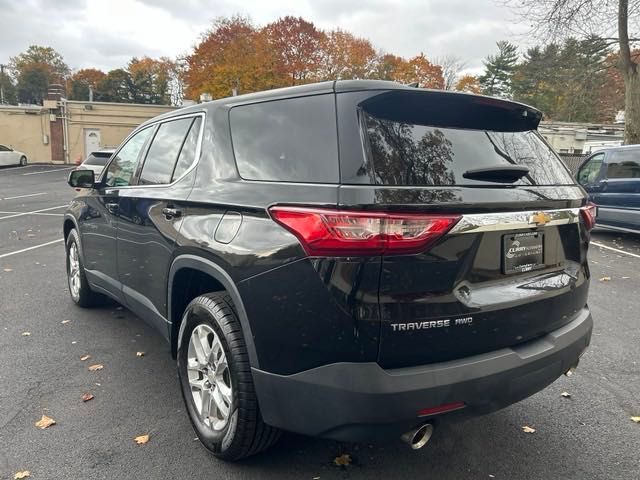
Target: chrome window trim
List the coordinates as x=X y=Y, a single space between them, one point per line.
x=155 y=124
x=493 y=222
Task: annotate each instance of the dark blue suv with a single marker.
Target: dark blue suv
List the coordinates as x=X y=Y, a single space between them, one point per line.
x=612 y=179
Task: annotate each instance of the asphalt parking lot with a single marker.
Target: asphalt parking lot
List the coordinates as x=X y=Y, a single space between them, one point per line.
x=589 y=435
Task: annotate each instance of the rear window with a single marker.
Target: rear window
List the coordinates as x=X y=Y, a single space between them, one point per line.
x=98 y=158
x=404 y=153
x=291 y=140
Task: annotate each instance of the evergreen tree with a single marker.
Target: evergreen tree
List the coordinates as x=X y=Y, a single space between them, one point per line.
x=499 y=69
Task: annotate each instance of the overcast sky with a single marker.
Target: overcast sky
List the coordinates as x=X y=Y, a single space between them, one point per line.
x=106 y=33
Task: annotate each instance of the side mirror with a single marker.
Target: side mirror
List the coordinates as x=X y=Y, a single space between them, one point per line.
x=82 y=179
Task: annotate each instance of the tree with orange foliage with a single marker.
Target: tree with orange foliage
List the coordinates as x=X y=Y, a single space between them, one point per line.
x=420 y=69
x=297 y=44
x=233 y=56
x=79 y=83
x=468 y=83
x=345 y=56
x=150 y=80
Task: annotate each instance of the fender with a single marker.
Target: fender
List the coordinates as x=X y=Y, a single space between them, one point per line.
x=218 y=273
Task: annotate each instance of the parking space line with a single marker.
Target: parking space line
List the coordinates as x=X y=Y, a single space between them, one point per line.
x=31 y=248
x=36 y=214
x=24 y=196
x=615 y=249
x=48 y=171
x=31 y=213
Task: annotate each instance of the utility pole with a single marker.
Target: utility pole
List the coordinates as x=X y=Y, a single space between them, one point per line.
x=2 y=83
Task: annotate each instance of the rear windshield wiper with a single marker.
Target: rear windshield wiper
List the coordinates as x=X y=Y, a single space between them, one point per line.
x=499 y=173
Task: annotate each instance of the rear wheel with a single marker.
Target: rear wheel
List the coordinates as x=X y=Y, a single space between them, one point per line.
x=79 y=288
x=23 y=161
x=216 y=383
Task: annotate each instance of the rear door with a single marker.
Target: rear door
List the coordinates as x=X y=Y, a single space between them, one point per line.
x=513 y=267
x=618 y=194
x=150 y=216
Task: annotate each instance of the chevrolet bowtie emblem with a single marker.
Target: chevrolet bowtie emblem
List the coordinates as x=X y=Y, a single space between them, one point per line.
x=539 y=218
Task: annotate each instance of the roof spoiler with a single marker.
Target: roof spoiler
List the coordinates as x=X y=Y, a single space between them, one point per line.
x=452 y=110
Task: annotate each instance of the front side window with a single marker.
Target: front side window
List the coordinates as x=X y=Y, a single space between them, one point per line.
x=292 y=140
x=123 y=166
x=624 y=164
x=589 y=171
x=163 y=152
x=3 y=149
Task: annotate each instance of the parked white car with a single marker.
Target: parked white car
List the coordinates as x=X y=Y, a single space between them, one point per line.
x=97 y=160
x=9 y=156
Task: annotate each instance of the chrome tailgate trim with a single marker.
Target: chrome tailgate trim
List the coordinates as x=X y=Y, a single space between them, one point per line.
x=492 y=222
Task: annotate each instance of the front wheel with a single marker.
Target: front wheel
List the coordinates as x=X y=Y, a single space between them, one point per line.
x=79 y=288
x=216 y=383
x=23 y=161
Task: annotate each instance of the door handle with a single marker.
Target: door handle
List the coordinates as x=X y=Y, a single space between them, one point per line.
x=170 y=213
x=112 y=207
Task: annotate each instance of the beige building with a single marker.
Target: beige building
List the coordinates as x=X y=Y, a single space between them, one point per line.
x=64 y=131
x=581 y=138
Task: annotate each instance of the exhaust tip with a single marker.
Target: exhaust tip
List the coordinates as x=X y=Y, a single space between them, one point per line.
x=418 y=437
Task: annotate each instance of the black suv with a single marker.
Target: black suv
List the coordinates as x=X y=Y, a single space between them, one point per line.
x=350 y=259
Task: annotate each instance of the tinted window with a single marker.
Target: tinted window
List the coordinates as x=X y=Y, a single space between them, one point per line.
x=3 y=148
x=404 y=153
x=589 y=171
x=123 y=166
x=624 y=164
x=188 y=153
x=97 y=159
x=290 y=140
x=163 y=152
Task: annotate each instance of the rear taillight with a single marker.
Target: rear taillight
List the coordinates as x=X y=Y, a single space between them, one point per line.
x=324 y=232
x=588 y=213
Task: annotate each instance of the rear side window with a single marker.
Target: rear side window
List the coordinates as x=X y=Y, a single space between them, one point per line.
x=624 y=164
x=188 y=153
x=163 y=152
x=406 y=153
x=291 y=140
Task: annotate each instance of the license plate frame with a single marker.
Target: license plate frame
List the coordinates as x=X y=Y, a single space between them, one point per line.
x=522 y=252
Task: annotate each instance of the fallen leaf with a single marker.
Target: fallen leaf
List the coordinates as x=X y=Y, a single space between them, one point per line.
x=86 y=397
x=8 y=269
x=139 y=354
x=45 y=422
x=342 y=460
x=85 y=357
x=23 y=474
x=527 y=429
x=26 y=334
x=565 y=395
x=635 y=419
x=97 y=366
x=142 y=439
x=64 y=322
x=605 y=279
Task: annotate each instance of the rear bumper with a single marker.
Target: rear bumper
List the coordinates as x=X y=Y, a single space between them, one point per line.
x=363 y=402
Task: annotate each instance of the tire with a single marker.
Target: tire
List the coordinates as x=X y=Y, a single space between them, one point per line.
x=23 y=161
x=81 y=293
x=244 y=433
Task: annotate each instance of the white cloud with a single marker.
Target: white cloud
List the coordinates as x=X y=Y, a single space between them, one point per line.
x=106 y=34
